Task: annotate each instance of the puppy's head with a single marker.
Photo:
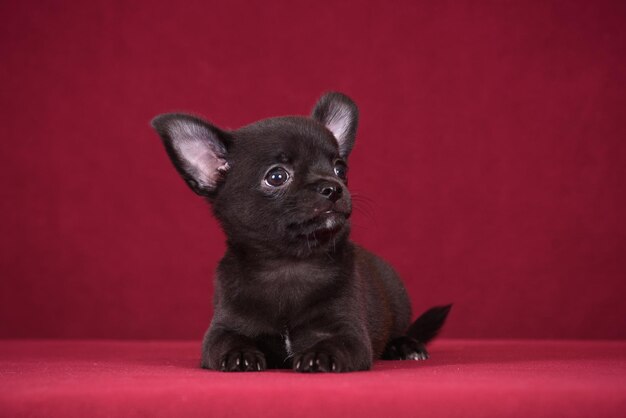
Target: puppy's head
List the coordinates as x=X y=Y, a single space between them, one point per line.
x=280 y=183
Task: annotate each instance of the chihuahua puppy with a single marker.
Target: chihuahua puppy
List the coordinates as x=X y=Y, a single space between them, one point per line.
x=292 y=290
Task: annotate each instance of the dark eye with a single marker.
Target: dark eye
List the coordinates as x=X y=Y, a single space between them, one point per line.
x=276 y=177
x=341 y=170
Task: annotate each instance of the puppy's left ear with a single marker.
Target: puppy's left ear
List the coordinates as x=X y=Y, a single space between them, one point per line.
x=340 y=115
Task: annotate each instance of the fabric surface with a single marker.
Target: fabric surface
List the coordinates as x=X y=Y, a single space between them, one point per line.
x=490 y=157
x=463 y=378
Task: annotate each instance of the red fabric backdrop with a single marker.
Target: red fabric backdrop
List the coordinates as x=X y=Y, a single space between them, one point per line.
x=492 y=147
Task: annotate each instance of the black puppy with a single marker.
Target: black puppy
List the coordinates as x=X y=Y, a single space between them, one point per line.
x=292 y=290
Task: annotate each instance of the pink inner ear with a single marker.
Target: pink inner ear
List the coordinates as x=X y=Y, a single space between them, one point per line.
x=338 y=123
x=202 y=160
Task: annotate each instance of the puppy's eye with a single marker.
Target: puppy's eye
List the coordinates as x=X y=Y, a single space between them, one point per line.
x=341 y=170
x=276 y=177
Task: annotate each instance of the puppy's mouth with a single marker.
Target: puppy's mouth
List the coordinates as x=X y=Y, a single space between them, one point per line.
x=323 y=227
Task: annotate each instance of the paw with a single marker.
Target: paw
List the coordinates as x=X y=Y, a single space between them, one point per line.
x=317 y=361
x=243 y=361
x=405 y=348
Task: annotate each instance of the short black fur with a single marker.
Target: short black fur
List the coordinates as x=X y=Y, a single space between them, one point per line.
x=292 y=290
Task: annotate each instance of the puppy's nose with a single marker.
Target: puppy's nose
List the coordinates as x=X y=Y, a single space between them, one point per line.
x=330 y=190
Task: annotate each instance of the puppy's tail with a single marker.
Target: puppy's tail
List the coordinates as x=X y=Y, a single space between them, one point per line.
x=428 y=325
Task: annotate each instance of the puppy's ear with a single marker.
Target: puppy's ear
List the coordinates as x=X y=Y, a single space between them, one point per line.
x=197 y=149
x=341 y=116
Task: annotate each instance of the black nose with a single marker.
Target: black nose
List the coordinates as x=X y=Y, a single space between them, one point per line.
x=330 y=190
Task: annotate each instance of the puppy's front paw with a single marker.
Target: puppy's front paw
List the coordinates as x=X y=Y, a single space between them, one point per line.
x=405 y=348
x=243 y=361
x=316 y=361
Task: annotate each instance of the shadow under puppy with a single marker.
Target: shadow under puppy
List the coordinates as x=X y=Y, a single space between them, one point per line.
x=292 y=290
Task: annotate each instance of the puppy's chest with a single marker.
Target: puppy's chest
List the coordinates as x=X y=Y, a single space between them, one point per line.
x=282 y=291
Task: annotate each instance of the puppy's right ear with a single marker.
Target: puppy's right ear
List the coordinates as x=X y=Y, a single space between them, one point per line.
x=197 y=149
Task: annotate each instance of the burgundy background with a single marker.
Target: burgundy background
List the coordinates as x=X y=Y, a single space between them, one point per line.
x=491 y=144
